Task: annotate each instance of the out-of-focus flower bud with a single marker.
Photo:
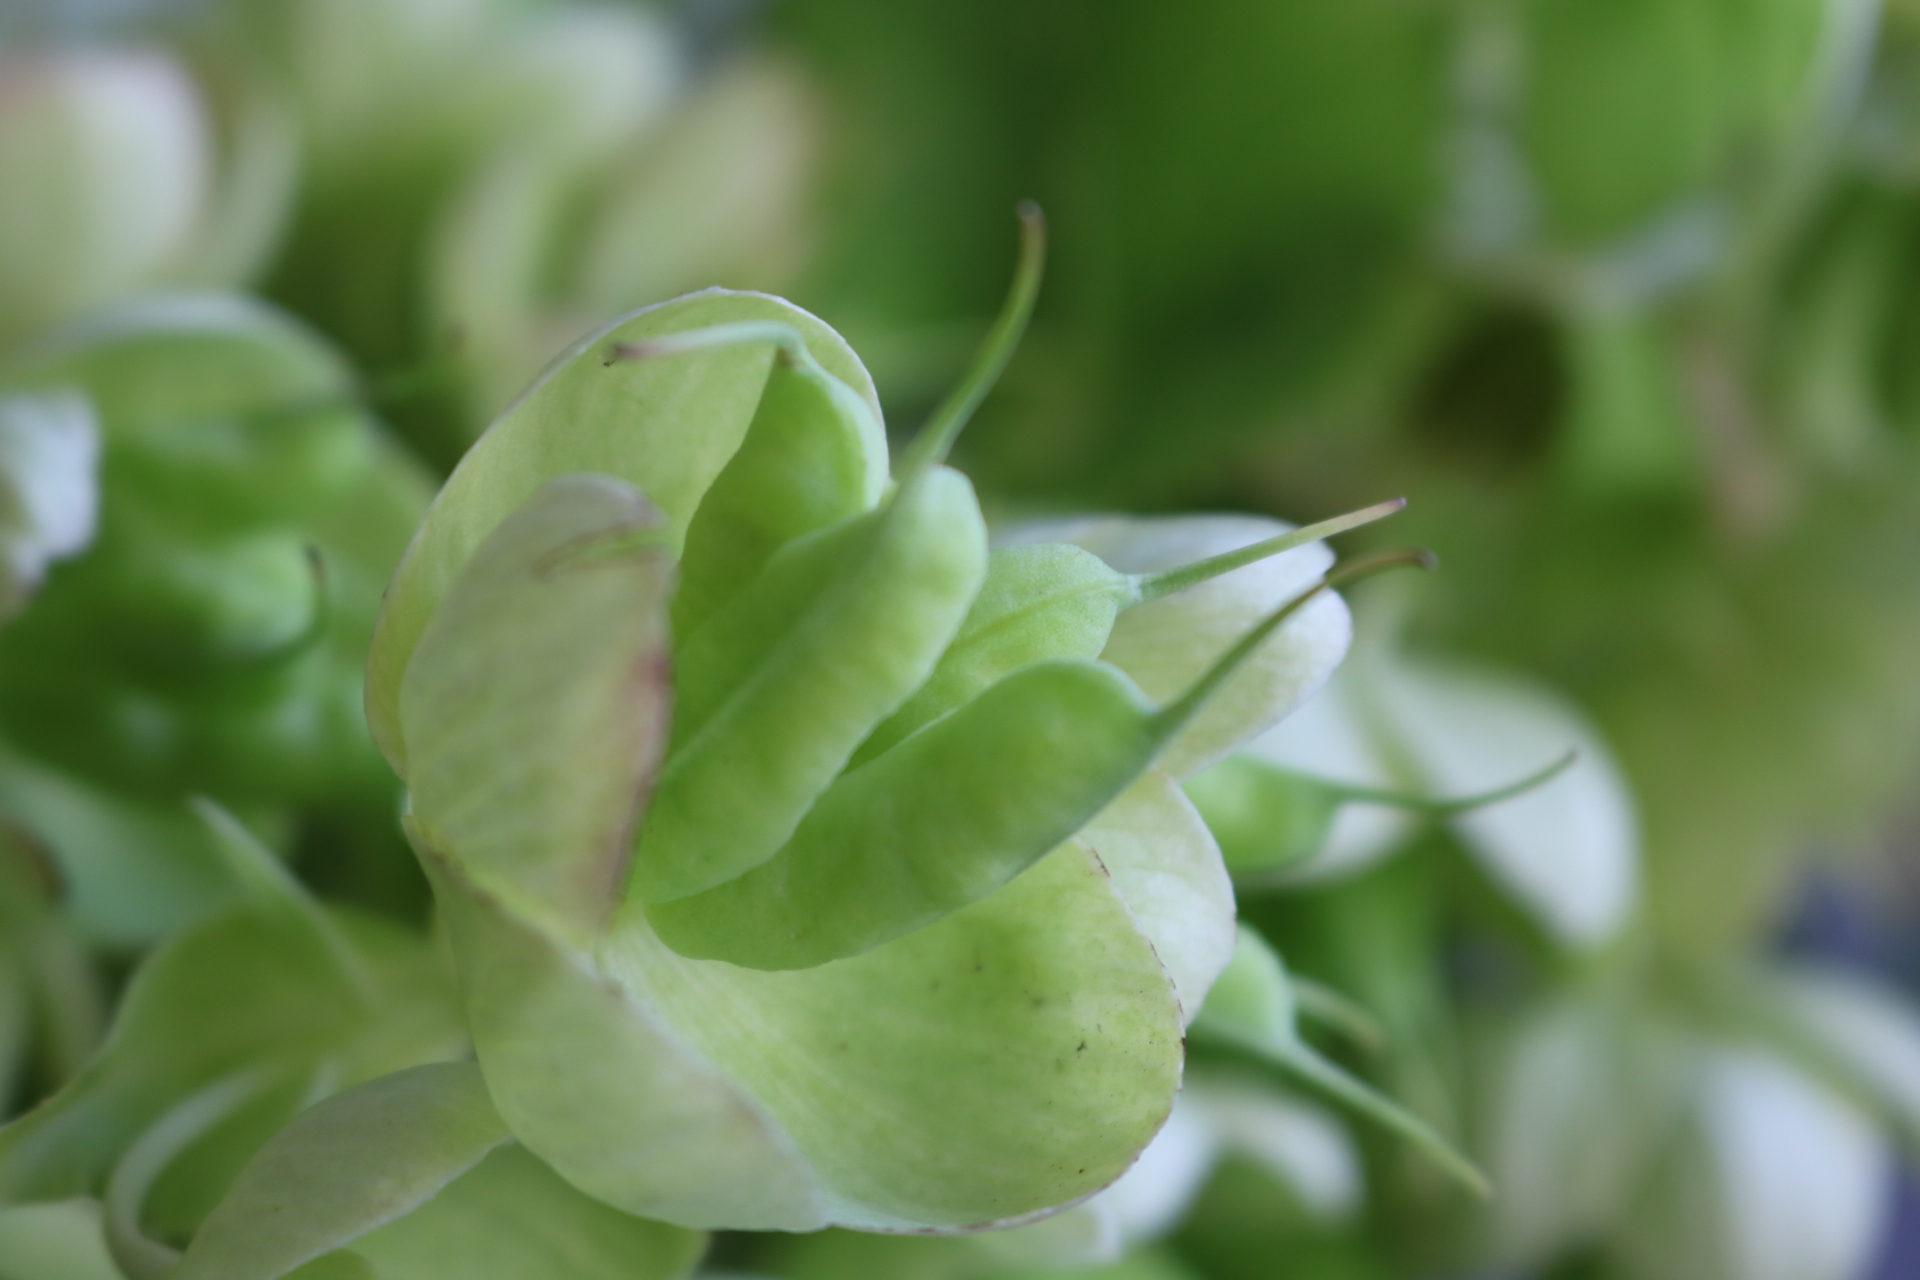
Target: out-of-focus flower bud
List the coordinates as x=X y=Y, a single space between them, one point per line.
x=1777 y=1178
x=105 y=161
x=210 y=638
x=488 y=180
x=538 y=246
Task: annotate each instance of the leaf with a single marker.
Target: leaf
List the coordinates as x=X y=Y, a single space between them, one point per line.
x=1166 y=644
x=667 y=427
x=344 y=1167
x=537 y=702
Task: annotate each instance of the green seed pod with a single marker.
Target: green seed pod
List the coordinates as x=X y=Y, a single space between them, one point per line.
x=1022 y=908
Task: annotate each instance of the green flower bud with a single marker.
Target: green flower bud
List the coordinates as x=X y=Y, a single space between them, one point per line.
x=931 y=982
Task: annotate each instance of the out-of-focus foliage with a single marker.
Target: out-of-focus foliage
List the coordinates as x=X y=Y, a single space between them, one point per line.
x=483 y=180
x=1620 y=293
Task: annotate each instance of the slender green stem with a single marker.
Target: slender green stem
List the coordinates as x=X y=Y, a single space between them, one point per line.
x=936 y=439
x=1152 y=586
x=1300 y=1059
x=1446 y=808
x=1342 y=1013
x=1177 y=713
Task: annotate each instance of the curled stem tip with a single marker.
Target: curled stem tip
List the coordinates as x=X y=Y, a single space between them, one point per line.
x=1152 y=586
x=1177 y=713
x=931 y=446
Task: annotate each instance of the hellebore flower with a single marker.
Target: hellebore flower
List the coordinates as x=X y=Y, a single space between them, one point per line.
x=899 y=924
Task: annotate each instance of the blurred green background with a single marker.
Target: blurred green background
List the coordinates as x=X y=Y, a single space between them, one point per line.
x=1622 y=295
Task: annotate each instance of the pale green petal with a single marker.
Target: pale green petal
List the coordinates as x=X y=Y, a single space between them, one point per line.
x=1014 y=1057
x=57 y=1241
x=1167 y=644
x=1168 y=870
x=1569 y=849
x=666 y=426
x=49 y=487
x=1802 y=1175
x=719 y=194
x=344 y=1167
x=596 y=1084
x=536 y=709
x=1581 y=1101
x=134 y=872
x=250 y=197
x=248 y=987
x=1086 y=1235
x=1867 y=1028
x=513 y=1218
